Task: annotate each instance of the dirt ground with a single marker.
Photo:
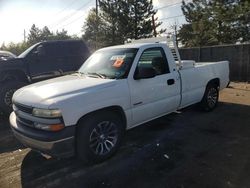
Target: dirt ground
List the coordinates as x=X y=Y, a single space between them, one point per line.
x=186 y=149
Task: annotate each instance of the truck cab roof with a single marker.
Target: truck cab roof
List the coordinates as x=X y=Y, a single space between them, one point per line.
x=134 y=45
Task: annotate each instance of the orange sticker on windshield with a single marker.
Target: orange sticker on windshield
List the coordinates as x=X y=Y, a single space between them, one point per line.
x=118 y=63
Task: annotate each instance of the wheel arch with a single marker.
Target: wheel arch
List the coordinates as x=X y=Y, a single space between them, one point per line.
x=215 y=81
x=118 y=110
x=14 y=75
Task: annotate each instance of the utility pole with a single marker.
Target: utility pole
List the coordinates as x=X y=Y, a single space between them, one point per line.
x=136 y=22
x=154 y=27
x=175 y=34
x=97 y=22
x=24 y=35
x=175 y=27
x=96 y=8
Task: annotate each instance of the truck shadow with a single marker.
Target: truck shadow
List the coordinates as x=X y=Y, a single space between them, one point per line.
x=149 y=153
x=143 y=142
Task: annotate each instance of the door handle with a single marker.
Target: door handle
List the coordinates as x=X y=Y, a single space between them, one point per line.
x=170 y=81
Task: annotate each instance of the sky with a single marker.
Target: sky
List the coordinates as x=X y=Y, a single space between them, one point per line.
x=17 y=16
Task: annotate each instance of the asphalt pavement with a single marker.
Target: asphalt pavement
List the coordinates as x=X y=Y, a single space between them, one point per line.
x=188 y=149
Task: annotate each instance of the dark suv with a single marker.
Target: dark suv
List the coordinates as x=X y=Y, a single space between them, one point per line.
x=41 y=61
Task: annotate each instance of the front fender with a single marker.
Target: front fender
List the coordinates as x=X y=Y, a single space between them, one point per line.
x=75 y=107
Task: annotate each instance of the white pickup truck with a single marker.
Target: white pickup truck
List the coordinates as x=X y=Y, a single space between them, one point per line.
x=117 y=88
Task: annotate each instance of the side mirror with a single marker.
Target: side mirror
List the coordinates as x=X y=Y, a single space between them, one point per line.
x=40 y=51
x=33 y=54
x=144 y=73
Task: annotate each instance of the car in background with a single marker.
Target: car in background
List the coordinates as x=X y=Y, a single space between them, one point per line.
x=44 y=60
x=5 y=55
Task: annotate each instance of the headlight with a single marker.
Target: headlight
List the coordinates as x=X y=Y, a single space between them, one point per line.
x=46 y=113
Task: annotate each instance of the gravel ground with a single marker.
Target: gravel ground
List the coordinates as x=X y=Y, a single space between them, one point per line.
x=185 y=149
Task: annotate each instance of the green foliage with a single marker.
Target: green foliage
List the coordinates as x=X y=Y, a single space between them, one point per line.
x=36 y=35
x=94 y=29
x=15 y=48
x=61 y=35
x=213 y=22
x=113 y=18
x=140 y=19
x=243 y=17
x=118 y=21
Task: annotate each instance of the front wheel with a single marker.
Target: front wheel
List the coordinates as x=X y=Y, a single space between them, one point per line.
x=210 y=98
x=98 y=137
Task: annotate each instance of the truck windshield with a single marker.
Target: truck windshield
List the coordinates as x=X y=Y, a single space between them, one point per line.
x=110 y=63
x=22 y=55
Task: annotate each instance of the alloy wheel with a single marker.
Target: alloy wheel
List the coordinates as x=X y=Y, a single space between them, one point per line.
x=103 y=138
x=212 y=97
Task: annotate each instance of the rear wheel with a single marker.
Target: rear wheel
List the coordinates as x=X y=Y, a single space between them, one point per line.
x=210 y=98
x=98 y=137
x=6 y=92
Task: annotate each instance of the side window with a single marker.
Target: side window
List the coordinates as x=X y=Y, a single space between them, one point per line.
x=41 y=50
x=155 y=58
x=37 y=51
x=53 y=49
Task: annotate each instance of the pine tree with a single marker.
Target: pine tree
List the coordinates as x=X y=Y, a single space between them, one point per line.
x=95 y=31
x=198 y=30
x=243 y=14
x=60 y=35
x=111 y=14
x=129 y=19
x=34 y=35
x=140 y=18
x=212 y=22
x=223 y=18
x=120 y=20
x=38 y=35
x=46 y=34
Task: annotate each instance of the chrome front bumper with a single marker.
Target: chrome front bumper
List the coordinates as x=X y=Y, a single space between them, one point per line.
x=58 y=144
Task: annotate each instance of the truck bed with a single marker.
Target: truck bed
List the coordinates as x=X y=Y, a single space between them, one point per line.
x=195 y=76
x=199 y=64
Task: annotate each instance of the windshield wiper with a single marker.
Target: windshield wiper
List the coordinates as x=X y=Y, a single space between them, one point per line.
x=78 y=73
x=103 y=76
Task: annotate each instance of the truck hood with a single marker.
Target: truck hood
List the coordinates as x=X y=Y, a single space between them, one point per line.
x=12 y=60
x=15 y=63
x=46 y=93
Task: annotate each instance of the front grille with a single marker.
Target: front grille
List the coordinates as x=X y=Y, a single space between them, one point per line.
x=25 y=122
x=23 y=108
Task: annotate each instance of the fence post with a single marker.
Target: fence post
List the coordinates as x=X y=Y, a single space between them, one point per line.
x=248 y=62
x=199 y=55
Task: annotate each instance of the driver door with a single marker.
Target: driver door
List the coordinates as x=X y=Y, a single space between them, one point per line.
x=43 y=64
x=153 y=97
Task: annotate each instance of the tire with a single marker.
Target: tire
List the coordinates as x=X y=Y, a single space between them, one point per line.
x=93 y=144
x=7 y=90
x=210 y=98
